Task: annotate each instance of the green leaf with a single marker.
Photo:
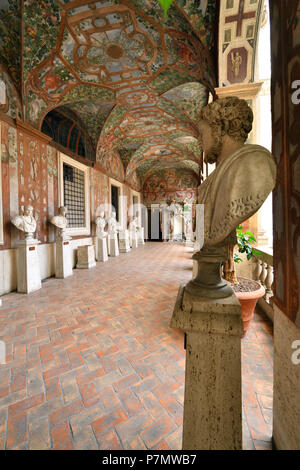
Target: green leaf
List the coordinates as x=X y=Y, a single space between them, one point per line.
x=166 y=5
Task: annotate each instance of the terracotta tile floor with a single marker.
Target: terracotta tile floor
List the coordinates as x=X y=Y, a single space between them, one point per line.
x=93 y=364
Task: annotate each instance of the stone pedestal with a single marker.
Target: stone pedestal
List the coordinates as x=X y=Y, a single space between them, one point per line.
x=63 y=267
x=113 y=245
x=86 y=257
x=29 y=276
x=134 y=239
x=141 y=236
x=213 y=397
x=102 y=249
x=124 y=244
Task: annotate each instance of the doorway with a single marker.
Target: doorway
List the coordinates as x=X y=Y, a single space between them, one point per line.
x=154 y=225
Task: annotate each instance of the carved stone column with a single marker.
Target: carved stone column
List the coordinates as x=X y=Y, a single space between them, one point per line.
x=213 y=397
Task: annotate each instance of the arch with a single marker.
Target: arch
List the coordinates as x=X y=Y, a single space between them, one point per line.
x=66 y=128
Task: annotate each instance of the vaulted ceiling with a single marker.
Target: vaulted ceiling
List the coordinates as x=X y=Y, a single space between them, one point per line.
x=136 y=79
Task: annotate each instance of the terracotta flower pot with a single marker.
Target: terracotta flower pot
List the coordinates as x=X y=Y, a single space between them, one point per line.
x=248 y=292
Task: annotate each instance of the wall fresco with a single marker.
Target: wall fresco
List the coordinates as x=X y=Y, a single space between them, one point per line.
x=240 y=21
x=30 y=176
x=113 y=165
x=169 y=184
x=12 y=106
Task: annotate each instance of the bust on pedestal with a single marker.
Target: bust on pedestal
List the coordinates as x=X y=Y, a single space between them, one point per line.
x=29 y=276
x=124 y=242
x=140 y=232
x=207 y=309
x=101 y=237
x=171 y=211
x=113 y=245
x=63 y=266
x=133 y=234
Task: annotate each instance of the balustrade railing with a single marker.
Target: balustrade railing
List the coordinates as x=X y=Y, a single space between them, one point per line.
x=264 y=274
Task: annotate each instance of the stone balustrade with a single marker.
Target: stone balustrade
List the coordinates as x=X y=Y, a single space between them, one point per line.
x=264 y=273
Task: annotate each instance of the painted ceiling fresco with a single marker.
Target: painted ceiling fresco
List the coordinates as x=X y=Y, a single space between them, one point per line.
x=11 y=105
x=136 y=78
x=10 y=39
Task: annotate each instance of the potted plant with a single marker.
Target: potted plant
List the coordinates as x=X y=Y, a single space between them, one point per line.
x=247 y=291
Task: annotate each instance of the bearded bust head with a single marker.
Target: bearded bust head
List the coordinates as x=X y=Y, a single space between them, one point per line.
x=231 y=117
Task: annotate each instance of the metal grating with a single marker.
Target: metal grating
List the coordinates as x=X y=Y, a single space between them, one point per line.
x=74 y=195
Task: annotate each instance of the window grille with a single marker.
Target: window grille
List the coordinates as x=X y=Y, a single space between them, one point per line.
x=74 y=195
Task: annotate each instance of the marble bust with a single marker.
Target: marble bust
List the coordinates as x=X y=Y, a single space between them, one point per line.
x=173 y=209
x=133 y=227
x=112 y=224
x=60 y=221
x=244 y=177
x=140 y=230
x=101 y=223
x=26 y=222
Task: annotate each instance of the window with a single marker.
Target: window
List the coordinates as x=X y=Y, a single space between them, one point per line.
x=73 y=178
x=115 y=200
x=67 y=129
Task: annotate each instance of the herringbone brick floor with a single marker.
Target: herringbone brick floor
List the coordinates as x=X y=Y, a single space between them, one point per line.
x=93 y=364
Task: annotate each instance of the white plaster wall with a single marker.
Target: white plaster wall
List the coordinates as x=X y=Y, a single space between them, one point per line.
x=46 y=254
x=286 y=422
x=8 y=271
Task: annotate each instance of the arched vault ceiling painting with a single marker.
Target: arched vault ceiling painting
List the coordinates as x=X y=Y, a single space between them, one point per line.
x=136 y=78
x=10 y=39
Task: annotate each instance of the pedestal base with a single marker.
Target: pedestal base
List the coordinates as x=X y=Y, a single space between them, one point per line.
x=141 y=236
x=208 y=282
x=86 y=257
x=29 y=276
x=102 y=249
x=63 y=267
x=113 y=246
x=133 y=240
x=124 y=245
x=213 y=399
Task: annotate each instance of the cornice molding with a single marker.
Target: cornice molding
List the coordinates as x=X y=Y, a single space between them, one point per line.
x=240 y=90
x=28 y=129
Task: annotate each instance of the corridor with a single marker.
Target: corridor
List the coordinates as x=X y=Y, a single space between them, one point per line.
x=93 y=364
